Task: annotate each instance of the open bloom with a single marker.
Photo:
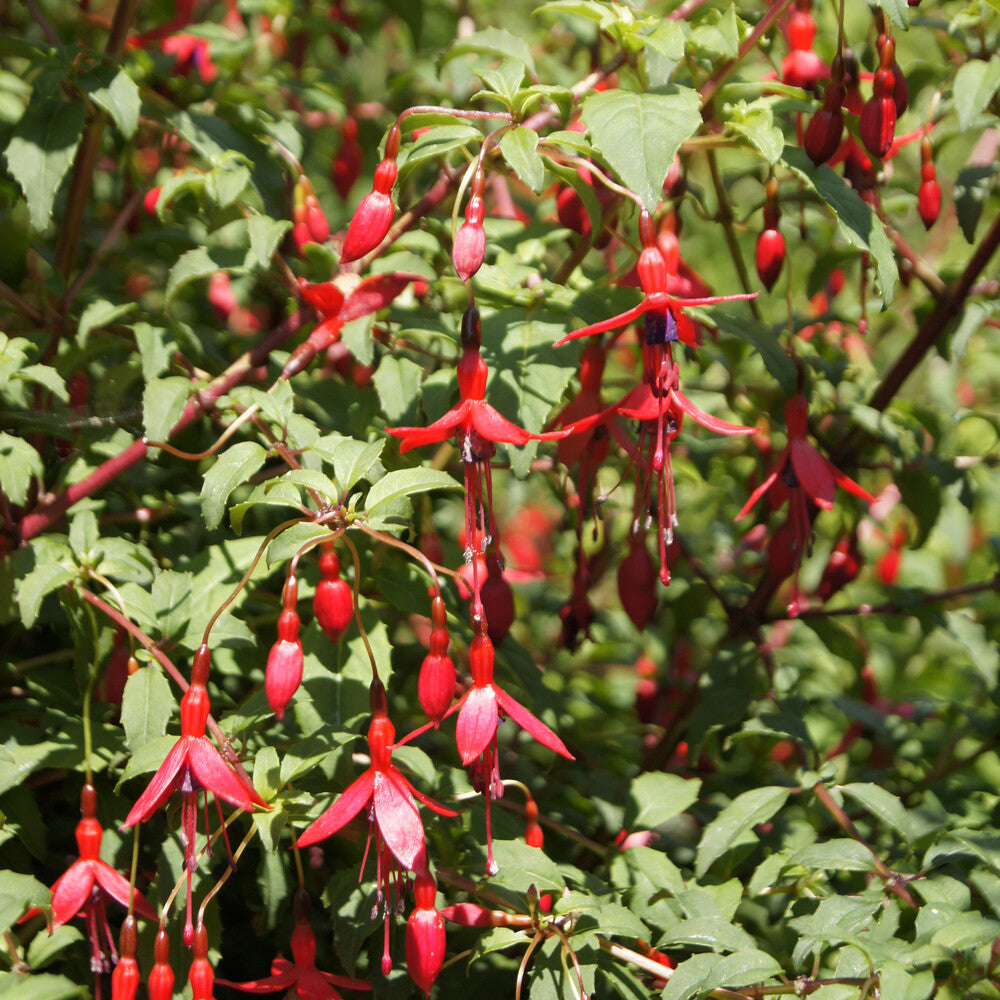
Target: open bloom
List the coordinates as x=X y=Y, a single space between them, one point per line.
x=386 y=797
x=477 y=428
x=480 y=710
x=300 y=976
x=801 y=475
x=88 y=882
x=193 y=765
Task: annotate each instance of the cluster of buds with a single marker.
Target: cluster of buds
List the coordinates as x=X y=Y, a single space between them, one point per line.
x=310 y=224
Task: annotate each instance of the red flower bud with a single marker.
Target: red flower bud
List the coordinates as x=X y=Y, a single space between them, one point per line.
x=316 y=221
x=347 y=165
x=372 y=217
x=770 y=256
x=333 y=603
x=822 y=135
x=425 y=937
x=150 y=199
x=300 y=237
x=161 y=977
x=637 y=583
x=929 y=195
x=498 y=601
x=533 y=835
x=125 y=978
x=877 y=125
x=283 y=673
x=436 y=684
x=220 y=295
x=201 y=976
x=470 y=241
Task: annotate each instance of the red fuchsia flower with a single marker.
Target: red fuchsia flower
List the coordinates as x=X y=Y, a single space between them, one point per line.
x=373 y=217
x=161 y=976
x=192 y=766
x=192 y=53
x=425 y=937
x=89 y=881
x=480 y=711
x=802 y=475
x=300 y=976
x=802 y=67
x=125 y=978
x=333 y=602
x=477 y=428
x=201 y=976
x=283 y=673
x=386 y=797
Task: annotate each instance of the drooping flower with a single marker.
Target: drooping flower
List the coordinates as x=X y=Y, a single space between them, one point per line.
x=387 y=798
x=802 y=476
x=88 y=882
x=192 y=766
x=477 y=428
x=300 y=976
x=480 y=710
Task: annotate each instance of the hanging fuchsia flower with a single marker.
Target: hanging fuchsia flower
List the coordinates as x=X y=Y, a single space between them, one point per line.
x=801 y=475
x=88 y=882
x=477 y=428
x=194 y=765
x=480 y=710
x=300 y=976
x=386 y=797
x=425 y=935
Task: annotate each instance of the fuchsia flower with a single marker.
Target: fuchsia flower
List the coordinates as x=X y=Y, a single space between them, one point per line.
x=89 y=881
x=194 y=765
x=300 y=976
x=425 y=935
x=477 y=427
x=801 y=475
x=480 y=710
x=386 y=797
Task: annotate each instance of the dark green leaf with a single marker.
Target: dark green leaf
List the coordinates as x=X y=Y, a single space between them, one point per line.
x=42 y=580
x=881 y=804
x=235 y=466
x=147 y=705
x=735 y=823
x=163 y=401
x=112 y=89
x=18 y=463
x=494 y=42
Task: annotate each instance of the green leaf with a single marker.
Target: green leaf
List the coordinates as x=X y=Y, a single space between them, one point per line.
x=44 y=948
x=292 y=539
x=156 y=348
x=202 y=263
x=147 y=705
x=147 y=758
x=897 y=11
x=18 y=463
x=735 y=823
x=656 y=797
x=718 y=32
x=407 y=482
x=112 y=89
x=505 y=79
x=842 y=854
x=266 y=773
x=522 y=866
x=765 y=341
x=98 y=314
x=437 y=142
x=975 y=84
x=163 y=402
x=692 y=977
x=42 y=580
x=397 y=381
x=265 y=235
x=859 y=225
x=18 y=893
x=15 y=986
x=520 y=150
x=494 y=42
x=84 y=535
x=966 y=932
x=639 y=135
x=41 y=150
x=881 y=804
x=235 y=466
x=749 y=967
x=973 y=186
x=756 y=122
x=45 y=376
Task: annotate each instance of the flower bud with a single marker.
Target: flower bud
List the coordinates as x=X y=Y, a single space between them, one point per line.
x=333 y=602
x=533 y=835
x=283 y=673
x=470 y=241
x=498 y=601
x=436 y=684
x=637 y=583
x=125 y=978
x=770 y=256
x=316 y=221
x=877 y=125
x=161 y=976
x=373 y=216
x=425 y=936
x=822 y=135
x=201 y=977
x=929 y=195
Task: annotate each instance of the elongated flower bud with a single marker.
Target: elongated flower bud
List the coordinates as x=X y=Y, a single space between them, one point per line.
x=333 y=602
x=201 y=976
x=125 y=978
x=637 y=583
x=373 y=216
x=770 y=256
x=929 y=195
x=283 y=673
x=436 y=684
x=161 y=976
x=425 y=936
x=470 y=241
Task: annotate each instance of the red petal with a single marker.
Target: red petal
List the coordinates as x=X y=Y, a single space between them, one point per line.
x=216 y=776
x=477 y=722
x=162 y=786
x=440 y=430
x=345 y=982
x=845 y=482
x=761 y=490
x=117 y=887
x=312 y=985
x=269 y=985
x=70 y=892
x=622 y=319
x=375 y=293
x=706 y=419
x=813 y=472
x=350 y=802
x=639 y=404
x=494 y=427
x=398 y=819
x=425 y=799
x=531 y=725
